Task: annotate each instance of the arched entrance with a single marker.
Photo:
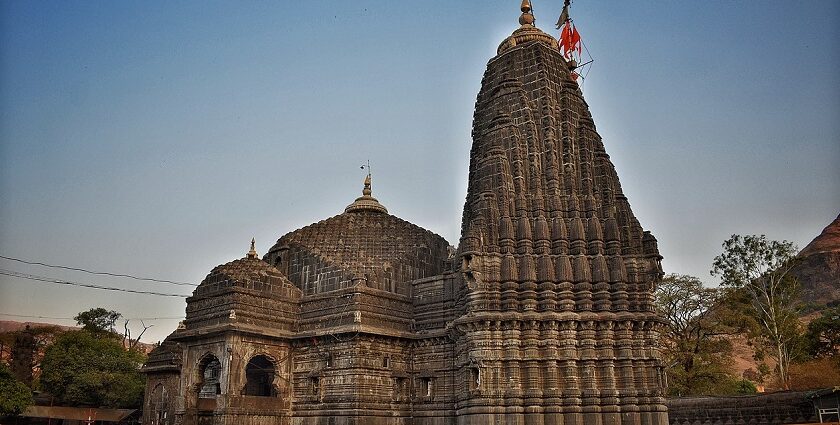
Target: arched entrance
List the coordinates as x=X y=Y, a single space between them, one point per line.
x=210 y=372
x=159 y=406
x=259 y=377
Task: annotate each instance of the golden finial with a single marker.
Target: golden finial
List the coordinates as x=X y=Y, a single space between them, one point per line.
x=253 y=252
x=366 y=202
x=527 y=17
x=366 y=191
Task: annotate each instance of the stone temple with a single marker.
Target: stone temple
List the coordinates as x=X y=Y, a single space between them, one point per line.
x=543 y=314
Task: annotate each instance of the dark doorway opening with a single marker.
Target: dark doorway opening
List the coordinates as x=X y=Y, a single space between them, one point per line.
x=259 y=376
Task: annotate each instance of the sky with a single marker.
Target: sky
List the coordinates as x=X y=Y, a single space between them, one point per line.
x=157 y=138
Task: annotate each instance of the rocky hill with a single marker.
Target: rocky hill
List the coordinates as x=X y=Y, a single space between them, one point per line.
x=14 y=326
x=819 y=269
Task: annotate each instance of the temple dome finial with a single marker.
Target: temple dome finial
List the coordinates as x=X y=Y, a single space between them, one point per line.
x=253 y=252
x=366 y=202
x=527 y=17
x=527 y=32
x=366 y=191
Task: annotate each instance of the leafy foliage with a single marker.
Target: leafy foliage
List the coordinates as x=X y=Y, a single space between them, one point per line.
x=823 y=334
x=760 y=269
x=15 y=396
x=693 y=341
x=745 y=386
x=98 y=320
x=85 y=368
x=42 y=335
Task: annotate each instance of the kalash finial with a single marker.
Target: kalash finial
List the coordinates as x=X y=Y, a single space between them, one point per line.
x=527 y=17
x=366 y=202
x=253 y=252
x=366 y=191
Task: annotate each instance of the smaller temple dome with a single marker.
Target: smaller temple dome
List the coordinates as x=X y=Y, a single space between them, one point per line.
x=165 y=357
x=366 y=202
x=247 y=293
x=248 y=272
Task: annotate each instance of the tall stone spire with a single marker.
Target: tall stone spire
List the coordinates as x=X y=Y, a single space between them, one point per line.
x=552 y=251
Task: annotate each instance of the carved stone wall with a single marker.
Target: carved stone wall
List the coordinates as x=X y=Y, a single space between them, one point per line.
x=759 y=409
x=159 y=405
x=355 y=308
x=231 y=404
x=352 y=378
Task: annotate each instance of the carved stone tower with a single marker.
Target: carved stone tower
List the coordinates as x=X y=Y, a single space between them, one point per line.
x=558 y=319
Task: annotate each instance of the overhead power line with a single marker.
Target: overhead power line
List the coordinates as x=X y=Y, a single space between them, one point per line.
x=36 y=317
x=38 y=263
x=13 y=273
x=73 y=318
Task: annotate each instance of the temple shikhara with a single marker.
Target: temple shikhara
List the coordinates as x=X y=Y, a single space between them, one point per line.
x=543 y=314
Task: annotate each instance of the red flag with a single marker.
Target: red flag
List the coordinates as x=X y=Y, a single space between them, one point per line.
x=569 y=40
x=566 y=39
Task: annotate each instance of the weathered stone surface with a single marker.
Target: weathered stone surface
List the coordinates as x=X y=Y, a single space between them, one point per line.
x=364 y=247
x=759 y=409
x=543 y=315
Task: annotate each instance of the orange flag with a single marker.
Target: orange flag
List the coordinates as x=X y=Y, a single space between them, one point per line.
x=569 y=40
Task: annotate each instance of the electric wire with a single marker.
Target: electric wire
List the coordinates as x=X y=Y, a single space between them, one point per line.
x=19 y=275
x=38 y=263
x=73 y=318
x=36 y=317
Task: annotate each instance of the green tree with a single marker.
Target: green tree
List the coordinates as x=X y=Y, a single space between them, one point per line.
x=745 y=386
x=760 y=269
x=695 y=349
x=43 y=336
x=84 y=368
x=15 y=396
x=98 y=320
x=823 y=334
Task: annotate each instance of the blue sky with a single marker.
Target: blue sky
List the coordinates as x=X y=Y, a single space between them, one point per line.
x=157 y=138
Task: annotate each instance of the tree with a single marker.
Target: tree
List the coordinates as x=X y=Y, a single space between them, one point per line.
x=760 y=268
x=98 y=320
x=129 y=343
x=85 y=368
x=23 y=356
x=694 y=347
x=823 y=334
x=15 y=396
x=43 y=336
